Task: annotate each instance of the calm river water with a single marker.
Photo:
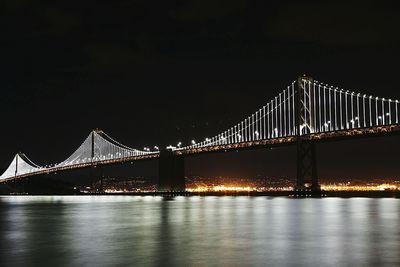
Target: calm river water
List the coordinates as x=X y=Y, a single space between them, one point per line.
x=198 y=231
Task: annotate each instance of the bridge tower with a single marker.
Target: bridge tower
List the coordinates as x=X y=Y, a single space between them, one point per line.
x=98 y=170
x=307 y=177
x=171 y=172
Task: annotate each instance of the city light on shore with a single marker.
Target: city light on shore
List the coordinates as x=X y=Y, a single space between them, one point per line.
x=326 y=187
x=381 y=187
x=222 y=188
x=233 y=188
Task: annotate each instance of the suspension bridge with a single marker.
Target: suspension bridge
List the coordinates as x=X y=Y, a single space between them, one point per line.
x=303 y=114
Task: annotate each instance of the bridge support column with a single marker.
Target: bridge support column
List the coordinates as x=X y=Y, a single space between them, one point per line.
x=97 y=179
x=307 y=177
x=101 y=188
x=171 y=172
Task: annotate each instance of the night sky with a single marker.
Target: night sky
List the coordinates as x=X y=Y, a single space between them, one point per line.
x=158 y=72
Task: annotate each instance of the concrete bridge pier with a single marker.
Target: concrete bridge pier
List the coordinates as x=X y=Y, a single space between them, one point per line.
x=307 y=165
x=96 y=179
x=171 y=172
x=307 y=184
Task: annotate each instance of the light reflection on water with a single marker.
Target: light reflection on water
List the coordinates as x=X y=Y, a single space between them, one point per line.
x=198 y=231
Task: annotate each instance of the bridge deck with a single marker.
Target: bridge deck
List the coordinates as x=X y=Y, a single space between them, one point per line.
x=290 y=140
x=282 y=141
x=83 y=165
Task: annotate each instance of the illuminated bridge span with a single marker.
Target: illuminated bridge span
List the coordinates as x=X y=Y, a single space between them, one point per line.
x=305 y=112
x=97 y=149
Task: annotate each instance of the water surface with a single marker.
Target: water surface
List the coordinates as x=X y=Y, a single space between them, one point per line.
x=198 y=231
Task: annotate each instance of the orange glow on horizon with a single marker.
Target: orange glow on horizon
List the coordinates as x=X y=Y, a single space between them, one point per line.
x=381 y=187
x=325 y=187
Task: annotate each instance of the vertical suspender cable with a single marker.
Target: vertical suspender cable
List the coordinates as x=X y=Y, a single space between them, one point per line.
x=256 y=126
x=245 y=130
x=358 y=110
x=325 y=108
x=383 y=111
x=276 y=117
x=272 y=120
x=352 y=109
x=284 y=112
x=265 y=128
x=252 y=127
x=364 y=110
x=280 y=116
x=330 y=110
x=310 y=106
x=268 y=114
x=314 y=109
x=347 y=117
x=305 y=106
x=241 y=131
x=376 y=110
x=335 y=110
x=319 y=108
x=370 y=111
x=289 y=112
x=341 y=109
x=293 y=109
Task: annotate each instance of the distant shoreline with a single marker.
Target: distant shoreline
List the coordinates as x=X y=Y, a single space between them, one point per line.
x=343 y=194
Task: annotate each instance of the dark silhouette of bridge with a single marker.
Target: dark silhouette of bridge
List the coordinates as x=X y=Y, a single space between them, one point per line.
x=305 y=113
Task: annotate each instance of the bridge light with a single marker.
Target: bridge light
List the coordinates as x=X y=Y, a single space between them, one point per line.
x=380 y=117
x=356 y=118
x=387 y=114
x=256 y=133
x=193 y=142
x=156 y=148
